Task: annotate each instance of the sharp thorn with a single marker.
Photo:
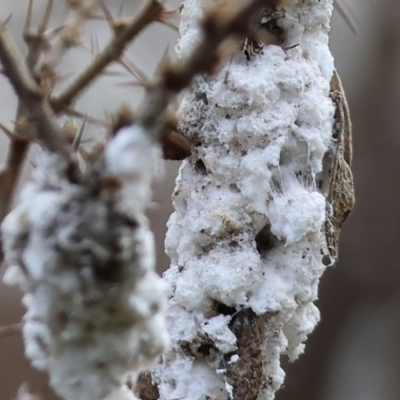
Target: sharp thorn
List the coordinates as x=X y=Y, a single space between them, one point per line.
x=94 y=46
x=97 y=44
x=122 y=9
x=134 y=70
x=165 y=15
x=7 y=20
x=112 y=73
x=108 y=15
x=78 y=138
x=7 y=131
x=51 y=34
x=163 y=60
x=91 y=49
x=84 y=154
x=91 y=120
x=136 y=84
x=170 y=24
x=45 y=18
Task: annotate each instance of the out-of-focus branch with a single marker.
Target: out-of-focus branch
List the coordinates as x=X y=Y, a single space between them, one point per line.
x=40 y=114
x=112 y=52
x=69 y=35
x=216 y=28
x=35 y=40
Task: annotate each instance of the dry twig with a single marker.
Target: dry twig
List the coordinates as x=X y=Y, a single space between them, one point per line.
x=40 y=114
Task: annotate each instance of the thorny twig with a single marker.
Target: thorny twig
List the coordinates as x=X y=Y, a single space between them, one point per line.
x=28 y=92
x=36 y=40
x=112 y=52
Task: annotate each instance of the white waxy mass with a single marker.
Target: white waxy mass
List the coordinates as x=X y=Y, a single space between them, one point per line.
x=247 y=230
x=84 y=256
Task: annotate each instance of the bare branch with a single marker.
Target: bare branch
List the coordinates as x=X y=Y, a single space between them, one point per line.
x=78 y=138
x=40 y=113
x=7 y=131
x=112 y=52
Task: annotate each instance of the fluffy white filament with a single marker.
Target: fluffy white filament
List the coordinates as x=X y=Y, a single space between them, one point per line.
x=247 y=231
x=83 y=254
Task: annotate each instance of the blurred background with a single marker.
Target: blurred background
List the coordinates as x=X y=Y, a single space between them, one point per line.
x=354 y=354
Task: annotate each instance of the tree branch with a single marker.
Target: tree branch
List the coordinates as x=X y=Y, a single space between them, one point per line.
x=28 y=92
